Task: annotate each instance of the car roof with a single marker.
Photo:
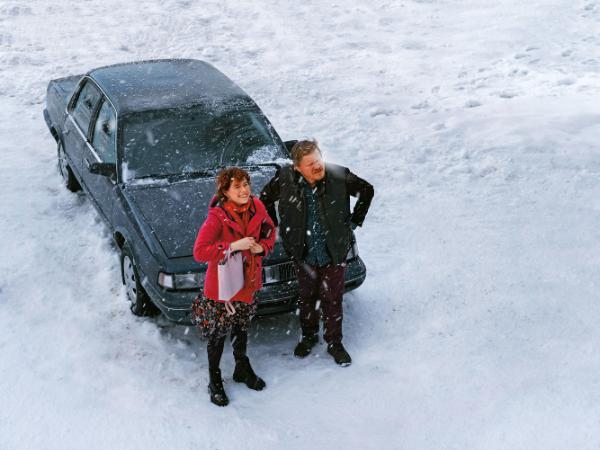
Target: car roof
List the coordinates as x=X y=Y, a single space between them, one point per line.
x=165 y=83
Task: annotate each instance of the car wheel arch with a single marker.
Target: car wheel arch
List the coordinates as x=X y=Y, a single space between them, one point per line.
x=64 y=166
x=119 y=239
x=55 y=134
x=143 y=305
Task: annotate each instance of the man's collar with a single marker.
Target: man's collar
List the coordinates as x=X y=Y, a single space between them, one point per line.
x=319 y=186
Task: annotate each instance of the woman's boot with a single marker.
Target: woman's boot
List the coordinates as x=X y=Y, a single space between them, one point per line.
x=243 y=373
x=215 y=388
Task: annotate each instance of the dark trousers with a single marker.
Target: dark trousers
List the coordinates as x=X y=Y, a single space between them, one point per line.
x=321 y=288
x=216 y=343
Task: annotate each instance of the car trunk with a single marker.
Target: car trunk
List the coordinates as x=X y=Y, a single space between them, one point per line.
x=58 y=95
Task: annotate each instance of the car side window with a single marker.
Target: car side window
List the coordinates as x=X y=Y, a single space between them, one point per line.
x=86 y=102
x=103 y=138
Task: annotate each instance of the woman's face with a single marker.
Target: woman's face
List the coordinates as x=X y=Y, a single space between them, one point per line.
x=238 y=192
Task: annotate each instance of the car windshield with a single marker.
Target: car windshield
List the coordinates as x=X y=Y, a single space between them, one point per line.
x=186 y=141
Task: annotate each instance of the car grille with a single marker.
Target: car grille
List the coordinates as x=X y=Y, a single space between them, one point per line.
x=278 y=273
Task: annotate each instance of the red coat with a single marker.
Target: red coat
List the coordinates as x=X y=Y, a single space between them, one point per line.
x=214 y=237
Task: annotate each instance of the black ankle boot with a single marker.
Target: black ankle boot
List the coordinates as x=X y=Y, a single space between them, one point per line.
x=305 y=345
x=339 y=353
x=243 y=373
x=215 y=388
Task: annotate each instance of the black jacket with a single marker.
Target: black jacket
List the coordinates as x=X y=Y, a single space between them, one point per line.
x=333 y=193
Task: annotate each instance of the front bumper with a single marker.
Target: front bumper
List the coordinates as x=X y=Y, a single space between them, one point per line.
x=273 y=298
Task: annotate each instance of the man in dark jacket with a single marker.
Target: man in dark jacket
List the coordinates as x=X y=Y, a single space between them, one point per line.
x=316 y=228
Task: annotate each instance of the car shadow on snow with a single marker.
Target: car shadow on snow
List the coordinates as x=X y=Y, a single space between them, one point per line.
x=267 y=333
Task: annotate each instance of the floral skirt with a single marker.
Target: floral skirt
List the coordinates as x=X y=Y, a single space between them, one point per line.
x=213 y=320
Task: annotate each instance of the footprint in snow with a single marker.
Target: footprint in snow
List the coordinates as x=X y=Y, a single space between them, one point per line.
x=472 y=104
x=565 y=82
x=382 y=112
x=506 y=94
x=518 y=73
x=423 y=105
x=15 y=10
x=527 y=54
x=6 y=39
x=386 y=21
x=413 y=45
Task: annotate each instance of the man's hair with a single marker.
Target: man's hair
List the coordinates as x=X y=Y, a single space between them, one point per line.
x=303 y=148
x=226 y=176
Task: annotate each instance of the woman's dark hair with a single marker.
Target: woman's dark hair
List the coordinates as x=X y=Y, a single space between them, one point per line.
x=226 y=176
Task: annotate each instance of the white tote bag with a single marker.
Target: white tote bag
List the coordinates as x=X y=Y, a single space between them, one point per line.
x=231 y=275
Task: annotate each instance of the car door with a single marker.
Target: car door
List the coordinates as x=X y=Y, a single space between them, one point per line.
x=101 y=148
x=77 y=124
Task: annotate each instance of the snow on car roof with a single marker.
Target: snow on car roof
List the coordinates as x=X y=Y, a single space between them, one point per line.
x=165 y=83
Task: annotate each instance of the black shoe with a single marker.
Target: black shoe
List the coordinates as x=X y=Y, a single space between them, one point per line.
x=305 y=346
x=216 y=390
x=339 y=353
x=243 y=373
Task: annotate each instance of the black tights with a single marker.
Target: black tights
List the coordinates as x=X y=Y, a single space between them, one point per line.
x=239 y=342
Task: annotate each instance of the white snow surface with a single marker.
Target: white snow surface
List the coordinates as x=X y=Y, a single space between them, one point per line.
x=478 y=123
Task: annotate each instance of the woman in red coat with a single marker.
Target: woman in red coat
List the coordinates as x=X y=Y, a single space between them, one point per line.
x=237 y=222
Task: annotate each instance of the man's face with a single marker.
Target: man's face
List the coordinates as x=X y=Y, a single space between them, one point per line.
x=312 y=167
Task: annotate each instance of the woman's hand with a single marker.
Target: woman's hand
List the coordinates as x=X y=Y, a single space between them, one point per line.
x=256 y=248
x=229 y=308
x=243 y=244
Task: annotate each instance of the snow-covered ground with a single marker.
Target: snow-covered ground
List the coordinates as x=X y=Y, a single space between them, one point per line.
x=478 y=122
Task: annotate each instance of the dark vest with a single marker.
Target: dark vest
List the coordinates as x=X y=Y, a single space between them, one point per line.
x=335 y=207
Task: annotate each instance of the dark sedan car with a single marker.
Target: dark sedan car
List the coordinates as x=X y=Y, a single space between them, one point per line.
x=144 y=141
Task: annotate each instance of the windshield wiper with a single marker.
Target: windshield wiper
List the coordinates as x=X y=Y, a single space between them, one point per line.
x=156 y=175
x=173 y=177
x=258 y=165
x=195 y=174
x=177 y=176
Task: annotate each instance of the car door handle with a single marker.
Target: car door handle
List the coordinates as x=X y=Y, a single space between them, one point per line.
x=67 y=131
x=87 y=163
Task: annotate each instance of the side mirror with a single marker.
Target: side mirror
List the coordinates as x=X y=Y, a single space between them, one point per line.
x=104 y=169
x=289 y=145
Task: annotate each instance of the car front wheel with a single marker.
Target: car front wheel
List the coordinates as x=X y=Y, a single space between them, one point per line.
x=140 y=303
x=69 y=179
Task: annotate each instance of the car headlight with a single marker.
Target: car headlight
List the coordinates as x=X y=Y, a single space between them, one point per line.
x=181 y=280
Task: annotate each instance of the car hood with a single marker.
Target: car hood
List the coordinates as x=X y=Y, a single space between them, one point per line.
x=175 y=211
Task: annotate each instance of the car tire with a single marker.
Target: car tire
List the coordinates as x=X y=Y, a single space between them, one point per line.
x=69 y=179
x=140 y=303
